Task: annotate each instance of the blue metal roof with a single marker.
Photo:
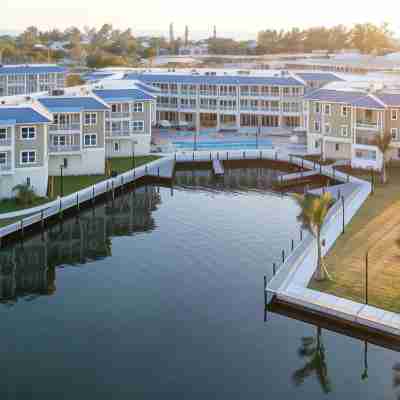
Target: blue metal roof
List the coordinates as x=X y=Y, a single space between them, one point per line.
x=319 y=76
x=21 y=115
x=147 y=88
x=367 y=101
x=122 y=95
x=96 y=76
x=390 y=99
x=72 y=104
x=215 y=79
x=31 y=69
x=334 y=96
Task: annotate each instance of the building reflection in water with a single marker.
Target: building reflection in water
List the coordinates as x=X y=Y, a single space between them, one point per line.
x=242 y=179
x=28 y=270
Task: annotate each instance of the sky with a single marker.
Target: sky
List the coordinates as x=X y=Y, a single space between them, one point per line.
x=238 y=18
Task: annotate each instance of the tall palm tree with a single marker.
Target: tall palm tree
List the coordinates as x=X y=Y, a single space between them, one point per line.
x=313 y=349
x=383 y=143
x=313 y=213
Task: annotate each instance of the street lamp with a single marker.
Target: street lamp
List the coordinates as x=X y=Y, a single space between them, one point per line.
x=133 y=154
x=61 y=180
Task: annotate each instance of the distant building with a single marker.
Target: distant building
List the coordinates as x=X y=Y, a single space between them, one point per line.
x=194 y=50
x=27 y=79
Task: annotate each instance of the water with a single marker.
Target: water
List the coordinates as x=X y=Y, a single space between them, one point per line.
x=242 y=144
x=160 y=295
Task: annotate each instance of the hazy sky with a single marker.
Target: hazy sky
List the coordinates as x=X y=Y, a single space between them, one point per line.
x=248 y=16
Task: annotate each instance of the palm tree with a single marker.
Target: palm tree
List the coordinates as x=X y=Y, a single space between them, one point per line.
x=313 y=212
x=314 y=350
x=383 y=143
x=25 y=194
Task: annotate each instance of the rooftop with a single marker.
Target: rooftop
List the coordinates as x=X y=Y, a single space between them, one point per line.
x=31 y=69
x=72 y=104
x=21 y=115
x=123 y=95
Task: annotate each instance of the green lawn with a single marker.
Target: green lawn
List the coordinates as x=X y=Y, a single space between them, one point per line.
x=376 y=227
x=10 y=205
x=75 y=183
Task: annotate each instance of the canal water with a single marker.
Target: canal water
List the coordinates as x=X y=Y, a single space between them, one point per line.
x=160 y=293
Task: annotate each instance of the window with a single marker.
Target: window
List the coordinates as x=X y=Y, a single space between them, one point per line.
x=28 y=157
x=337 y=147
x=345 y=131
x=317 y=108
x=327 y=109
x=138 y=126
x=3 y=159
x=3 y=133
x=394 y=133
x=116 y=147
x=59 y=140
x=327 y=128
x=28 y=133
x=345 y=111
x=90 y=119
x=316 y=144
x=393 y=114
x=138 y=107
x=90 y=140
x=65 y=162
x=317 y=126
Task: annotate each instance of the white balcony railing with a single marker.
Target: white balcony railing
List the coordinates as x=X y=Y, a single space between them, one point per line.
x=5 y=142
x=119 y=115
x=4 y=167
x=64 y=148
x=65 y=129
x=365 y=124
x=119 y=132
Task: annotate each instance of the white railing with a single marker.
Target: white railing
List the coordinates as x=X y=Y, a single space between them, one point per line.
x=5 y=142
x=64 y=148
x=65 y=129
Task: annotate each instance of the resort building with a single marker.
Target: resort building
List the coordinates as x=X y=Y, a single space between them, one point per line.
x=76 y=135
x=344 y=123
x=227 y=101
x=27 y=79
x=23 y=148
x=130 y=118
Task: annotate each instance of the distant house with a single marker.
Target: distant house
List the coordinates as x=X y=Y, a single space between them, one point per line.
x=58 y=46
x=194 y=50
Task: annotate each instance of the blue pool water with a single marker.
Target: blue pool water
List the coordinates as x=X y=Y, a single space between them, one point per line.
x=224 y=145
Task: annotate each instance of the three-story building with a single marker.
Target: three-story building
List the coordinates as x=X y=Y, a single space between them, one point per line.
x=23 y=149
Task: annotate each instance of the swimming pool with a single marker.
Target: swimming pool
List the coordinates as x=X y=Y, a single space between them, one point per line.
x=245 y=144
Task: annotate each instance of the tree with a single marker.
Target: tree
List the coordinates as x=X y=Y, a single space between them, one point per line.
x=313 y=213
x=25 y=194
x=383 y=143
x=313 y=349
x=369 y=38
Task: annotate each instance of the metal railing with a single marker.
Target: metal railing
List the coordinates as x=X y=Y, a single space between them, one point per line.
x=5 y=142
x=64 y=148
x=65 y=128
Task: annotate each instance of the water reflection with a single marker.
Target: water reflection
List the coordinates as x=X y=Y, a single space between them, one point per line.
x=29 y=270
x=242 y=179
x=312 y=350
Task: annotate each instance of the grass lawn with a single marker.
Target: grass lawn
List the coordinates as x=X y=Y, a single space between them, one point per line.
x=376 y=227
x=10 y=205
x=74 y=183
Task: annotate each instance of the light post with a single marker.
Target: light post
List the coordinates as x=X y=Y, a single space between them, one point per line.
x=61 y=180
x=133 y=154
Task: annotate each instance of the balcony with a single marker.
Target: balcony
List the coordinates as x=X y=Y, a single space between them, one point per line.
x=119 y=132
x=68 y=148
x=120 y=115
x=6 y=167
x=5 y=142
x=208 y=106
x=208 y=93
x=65 y=129
x=367 y=124
x=368 y=140
x=188 y=93
x=188 y=106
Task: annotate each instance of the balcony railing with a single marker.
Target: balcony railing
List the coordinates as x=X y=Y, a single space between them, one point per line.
x=188 y=93
x=369 y=140
x=119 y=132
x=5 y=166
x=118 y=115
x=5 y=142
x=208 y=106
x=64 y=148
x=67 y=128
x=188 y=106
x=367 y=124
x=207 y=93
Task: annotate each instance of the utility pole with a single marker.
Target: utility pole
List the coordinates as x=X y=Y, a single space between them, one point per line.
x=186 y=35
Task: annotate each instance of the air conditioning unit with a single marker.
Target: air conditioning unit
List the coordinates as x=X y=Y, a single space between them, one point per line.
x=57 y=92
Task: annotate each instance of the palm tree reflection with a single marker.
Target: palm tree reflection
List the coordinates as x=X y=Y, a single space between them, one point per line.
x=313 y=350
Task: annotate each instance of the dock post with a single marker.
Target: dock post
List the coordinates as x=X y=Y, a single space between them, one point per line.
x=301 y=235
x=193 y=156
x=274 y=269
x=77 y=200
x=158 y=171
x=343 y=220
x=314 y=164
x=292 y=244
x=348 y=178
x=283 y=256
x=93 y=190
x=302 y=163
x=290 y=159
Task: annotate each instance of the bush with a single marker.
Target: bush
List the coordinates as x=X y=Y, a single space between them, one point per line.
x=25 y=195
